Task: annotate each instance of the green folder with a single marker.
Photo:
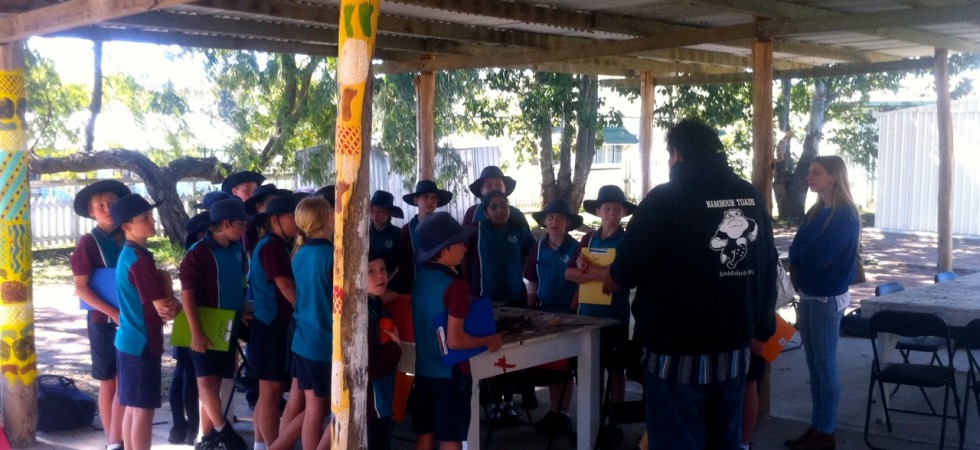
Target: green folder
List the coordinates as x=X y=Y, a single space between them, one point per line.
x=217 y=324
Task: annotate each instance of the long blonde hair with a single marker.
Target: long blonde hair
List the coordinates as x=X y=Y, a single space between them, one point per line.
x=841 y=192
x=314 y=218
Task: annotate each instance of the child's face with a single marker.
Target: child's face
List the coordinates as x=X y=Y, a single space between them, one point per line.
x=453 y=255
x=140 y=227
x=233 y=229
x=498 y=211
x=98 y=207
x=377 y=277
x=380 y=216
x=492 y=184
x=244 y=190
x=556 y=224
x=260 y=206
x=427 y=203
x=285 y=224
x=610 y=213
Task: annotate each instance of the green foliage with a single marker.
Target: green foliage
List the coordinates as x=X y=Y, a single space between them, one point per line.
x=50 y=106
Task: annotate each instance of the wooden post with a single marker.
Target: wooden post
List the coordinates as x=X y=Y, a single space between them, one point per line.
x=762 y=147
x=647 y=85
x=349 y=380
x=18 y=386
x=425 y=94
x=944 y=223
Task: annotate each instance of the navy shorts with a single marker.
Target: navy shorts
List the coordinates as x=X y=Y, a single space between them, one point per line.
x=213 y=362
x=757 y=368
x=101 y=342
x=442 y=406
x=139 y=380
x=268 y=352
x=312 y=375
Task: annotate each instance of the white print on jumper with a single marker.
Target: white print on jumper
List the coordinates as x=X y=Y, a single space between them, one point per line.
x=730 y=203
x=733 y=236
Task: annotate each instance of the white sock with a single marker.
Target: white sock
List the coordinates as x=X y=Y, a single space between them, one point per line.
x=744 y=446
x=260 y=446
x=221 y=428
x=113 y=447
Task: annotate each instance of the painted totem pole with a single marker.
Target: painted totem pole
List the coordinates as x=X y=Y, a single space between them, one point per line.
x=358 y=23
x=18 y=360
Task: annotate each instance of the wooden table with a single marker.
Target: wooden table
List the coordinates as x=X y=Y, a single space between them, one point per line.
x=544 y=337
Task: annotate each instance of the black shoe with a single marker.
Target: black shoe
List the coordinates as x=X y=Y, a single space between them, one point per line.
x=208 y=442
x=230 y=439
x=191 y=435
x=177 y=435
x=555 y=422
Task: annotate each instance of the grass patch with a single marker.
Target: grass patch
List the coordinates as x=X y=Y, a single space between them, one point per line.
x=52 y=265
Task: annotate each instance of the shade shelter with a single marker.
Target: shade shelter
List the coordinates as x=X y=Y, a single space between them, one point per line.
x=639 y=42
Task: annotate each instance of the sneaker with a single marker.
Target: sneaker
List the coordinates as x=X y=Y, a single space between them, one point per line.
x=230 y=439
x=177 y=435
x=208 y=442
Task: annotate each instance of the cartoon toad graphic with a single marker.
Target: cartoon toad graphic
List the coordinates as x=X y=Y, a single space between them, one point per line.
x=734 y=234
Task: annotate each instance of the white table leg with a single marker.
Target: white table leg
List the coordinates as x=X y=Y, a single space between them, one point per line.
x=473 y=435
x=587 y=391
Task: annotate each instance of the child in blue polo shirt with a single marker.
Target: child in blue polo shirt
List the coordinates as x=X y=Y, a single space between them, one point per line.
x=610 y=206
x=212 y=275
x=100 y=250
x=145 y=301
x=273 y=295
x=384 y=352
x=549 y=290
x=442 y=394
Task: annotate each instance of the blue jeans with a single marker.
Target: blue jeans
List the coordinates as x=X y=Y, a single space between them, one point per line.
x=819 y=324
x=694 y=417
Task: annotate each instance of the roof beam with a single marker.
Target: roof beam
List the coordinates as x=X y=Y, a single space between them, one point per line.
x=778 y=9
x=73 y=13
x=777 y=27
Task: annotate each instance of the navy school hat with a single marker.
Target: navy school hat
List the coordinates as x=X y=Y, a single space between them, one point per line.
x=558 y=206
x=279 y=205
x=384 y=199
x=425 y=187
x=437 y=232
x=227 y=210
x=128 y=207
x=213 y=197
x=194 y=225
x=609 y=194
x=329 y=193
x=261 y=193
x=241 y=177
x=476 y=187
x=84 y=196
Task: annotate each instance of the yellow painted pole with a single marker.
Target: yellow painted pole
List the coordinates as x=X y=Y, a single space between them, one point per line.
x=358 y=25
x=18 y=360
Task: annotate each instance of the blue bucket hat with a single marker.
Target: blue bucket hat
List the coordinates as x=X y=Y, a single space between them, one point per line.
x=476 y=187
x=426 y=187
x=227 y=210
x=84 y=196
x=609 y=194
x=213 y=197
x=260 y=194
x=437 y=232
x=384 y=199
x=241 y=177
x=558 y=206
x=279 y=205
x=128 y=207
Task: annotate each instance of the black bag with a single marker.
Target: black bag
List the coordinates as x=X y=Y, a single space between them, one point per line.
x=853 y=324
x=61 y=405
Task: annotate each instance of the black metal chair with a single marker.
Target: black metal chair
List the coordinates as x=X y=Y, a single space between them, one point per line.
x=921 y=375
x=971 y=335
x=627 y=358
x=943 y=277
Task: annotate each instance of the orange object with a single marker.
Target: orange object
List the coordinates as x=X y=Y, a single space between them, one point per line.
x=385 y=324
x=401 y=313
x=774 y=346
x=403 y=386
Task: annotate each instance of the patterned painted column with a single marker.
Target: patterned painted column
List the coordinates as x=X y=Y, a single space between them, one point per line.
x=18 y=360
x=358 y=22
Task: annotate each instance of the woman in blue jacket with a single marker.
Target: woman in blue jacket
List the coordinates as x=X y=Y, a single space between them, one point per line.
x=823 y=257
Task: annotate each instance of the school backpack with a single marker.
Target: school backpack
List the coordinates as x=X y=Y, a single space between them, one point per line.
x=61 y=405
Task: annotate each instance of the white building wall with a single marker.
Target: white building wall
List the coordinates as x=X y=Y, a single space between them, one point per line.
x=908 y=167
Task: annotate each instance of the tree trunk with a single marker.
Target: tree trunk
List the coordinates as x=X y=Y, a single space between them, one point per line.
x=585 y=139
x=546 y=159
x=95 y=106
x=793 y=207
x=161 y=183
x=783 y=164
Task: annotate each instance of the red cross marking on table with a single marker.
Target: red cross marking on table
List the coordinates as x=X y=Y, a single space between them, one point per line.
x=502 y=363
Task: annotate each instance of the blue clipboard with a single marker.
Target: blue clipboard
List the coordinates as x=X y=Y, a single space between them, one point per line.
x=479 y=322
x=103 y=282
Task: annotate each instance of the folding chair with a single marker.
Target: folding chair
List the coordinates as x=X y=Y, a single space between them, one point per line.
x=971 y=335
x=627 y=357
x=907 y=345
x=904 y=373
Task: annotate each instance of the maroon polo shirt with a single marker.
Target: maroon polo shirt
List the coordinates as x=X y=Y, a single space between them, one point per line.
x=84 y=260
x=274 y=258
x=144 y=276
x=199 y=273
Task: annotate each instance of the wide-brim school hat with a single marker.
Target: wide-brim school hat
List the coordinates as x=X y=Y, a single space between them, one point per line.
x=260 y=194
x=213 y=197
x=84 y=196
x=241 y=177
x=609 y=194
x=558 y=206
x=128 y=207
x=437 y=232
x=476 y=187
x=426 y=187
x=194 y=225
x=279 y=205
x=384 y=199
x=329 y=193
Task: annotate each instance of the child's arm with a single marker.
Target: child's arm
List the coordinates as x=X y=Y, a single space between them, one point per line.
x=89 y=296
x=287 y=286
x=532 y=294
x=459 y=339
x=199 y=340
